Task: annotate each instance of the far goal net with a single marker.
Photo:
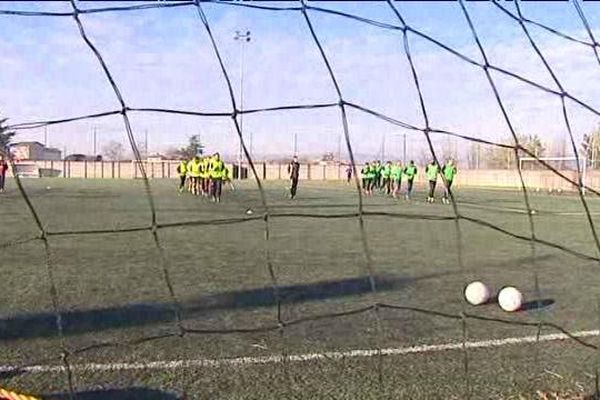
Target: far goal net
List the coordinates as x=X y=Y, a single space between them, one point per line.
x=541 y=177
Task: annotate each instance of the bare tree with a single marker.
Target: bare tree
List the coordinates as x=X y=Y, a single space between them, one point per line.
x=328 y=156
x=172 y=153
x=474 y=156
x=113 y=151
x=194 y=148
x=591 y=146
x=5 y=136
x=504 y=158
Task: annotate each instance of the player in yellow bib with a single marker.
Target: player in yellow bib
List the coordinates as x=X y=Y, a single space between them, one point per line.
x=194 y=168
x=204 y=176
x=217 y=171
x=182 y=172
x=228 y=177
x=190 y=181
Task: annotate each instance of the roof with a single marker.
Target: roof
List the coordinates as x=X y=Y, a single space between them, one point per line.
x=27 y=143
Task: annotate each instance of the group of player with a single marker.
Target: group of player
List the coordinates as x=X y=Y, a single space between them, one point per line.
x=204 y=176
x=387 y=177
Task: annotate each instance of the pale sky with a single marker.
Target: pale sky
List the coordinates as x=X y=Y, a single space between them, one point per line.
x=162 y=58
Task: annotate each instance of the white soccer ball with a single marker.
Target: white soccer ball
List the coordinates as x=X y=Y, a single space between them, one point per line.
x=533 y=212
x=48 y=188
x=510 y=299
x=477 y=293
x=249 y=211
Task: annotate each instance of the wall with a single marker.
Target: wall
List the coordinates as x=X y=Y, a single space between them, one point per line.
x=35 y=151
x=168 y=169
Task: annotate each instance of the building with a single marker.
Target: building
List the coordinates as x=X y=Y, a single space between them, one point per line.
x=82 y=157
x=35 y=151
x=156 y=158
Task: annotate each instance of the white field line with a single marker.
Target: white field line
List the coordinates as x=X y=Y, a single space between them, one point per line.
x=522 y=211
x=219 y=362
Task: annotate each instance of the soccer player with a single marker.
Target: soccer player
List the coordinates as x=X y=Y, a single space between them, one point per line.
x=396 y=176
x=217 y=167
x=375 y=175
x=3 y=170
x=411 y=172
x=378 y=170
x=190 y=181
x=182 y=171
x=228 y=177
x=386 y=175
x=368 y=177
x=294 y=171
x=431 y=171
x=364 y=172
x=449 y=171
x=348 y=174
x=194 y=169
x=205 y=184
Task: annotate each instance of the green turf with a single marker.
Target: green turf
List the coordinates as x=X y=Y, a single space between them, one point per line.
x=111 y=288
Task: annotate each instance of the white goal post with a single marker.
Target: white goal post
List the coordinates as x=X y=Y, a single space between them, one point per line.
x=551 y=160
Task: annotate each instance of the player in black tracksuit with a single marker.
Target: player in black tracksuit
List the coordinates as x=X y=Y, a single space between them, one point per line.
x=294 y=171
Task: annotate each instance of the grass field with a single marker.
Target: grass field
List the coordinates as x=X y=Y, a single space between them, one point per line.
x=111 y=288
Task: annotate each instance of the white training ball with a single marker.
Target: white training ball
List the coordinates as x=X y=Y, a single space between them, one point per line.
x=48 y=188
x=533 y=212
x=477 y=293
x=510 y=299
x=249 y=211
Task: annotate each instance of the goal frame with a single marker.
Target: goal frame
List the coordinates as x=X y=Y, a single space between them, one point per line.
x=582 y=161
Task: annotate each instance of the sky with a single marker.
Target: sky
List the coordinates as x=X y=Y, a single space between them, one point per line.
x=162 y=58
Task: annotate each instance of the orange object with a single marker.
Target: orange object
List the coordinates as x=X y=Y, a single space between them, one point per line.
x=7 y=395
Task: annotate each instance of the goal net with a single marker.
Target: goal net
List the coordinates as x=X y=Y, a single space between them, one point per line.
x=326 y=278
x=575 y=168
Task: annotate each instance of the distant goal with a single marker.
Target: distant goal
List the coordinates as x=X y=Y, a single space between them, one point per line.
x=570 y=166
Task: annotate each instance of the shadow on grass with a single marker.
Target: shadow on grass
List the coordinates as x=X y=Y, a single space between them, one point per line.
x=117 y=394
x=324 y=206
x=537 y=304
x=32 y=325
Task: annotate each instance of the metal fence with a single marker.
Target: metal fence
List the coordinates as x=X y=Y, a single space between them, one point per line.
x=543 y=179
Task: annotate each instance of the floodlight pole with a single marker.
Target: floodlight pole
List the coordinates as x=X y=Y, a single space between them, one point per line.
x=94 y=135
x=242 y=38
x=95 y=148
x=583 y=176
x=295 y=144
x=403 y=145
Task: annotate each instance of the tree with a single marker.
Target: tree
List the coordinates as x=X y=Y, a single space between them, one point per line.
x=590 y=146
x=113 y=151
x=172 y=153
x=194 y=148
x=533 y=143
x=5 y=136
x=329 y=156
x=502 y=157
x=474 y=155
x=448 y=150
